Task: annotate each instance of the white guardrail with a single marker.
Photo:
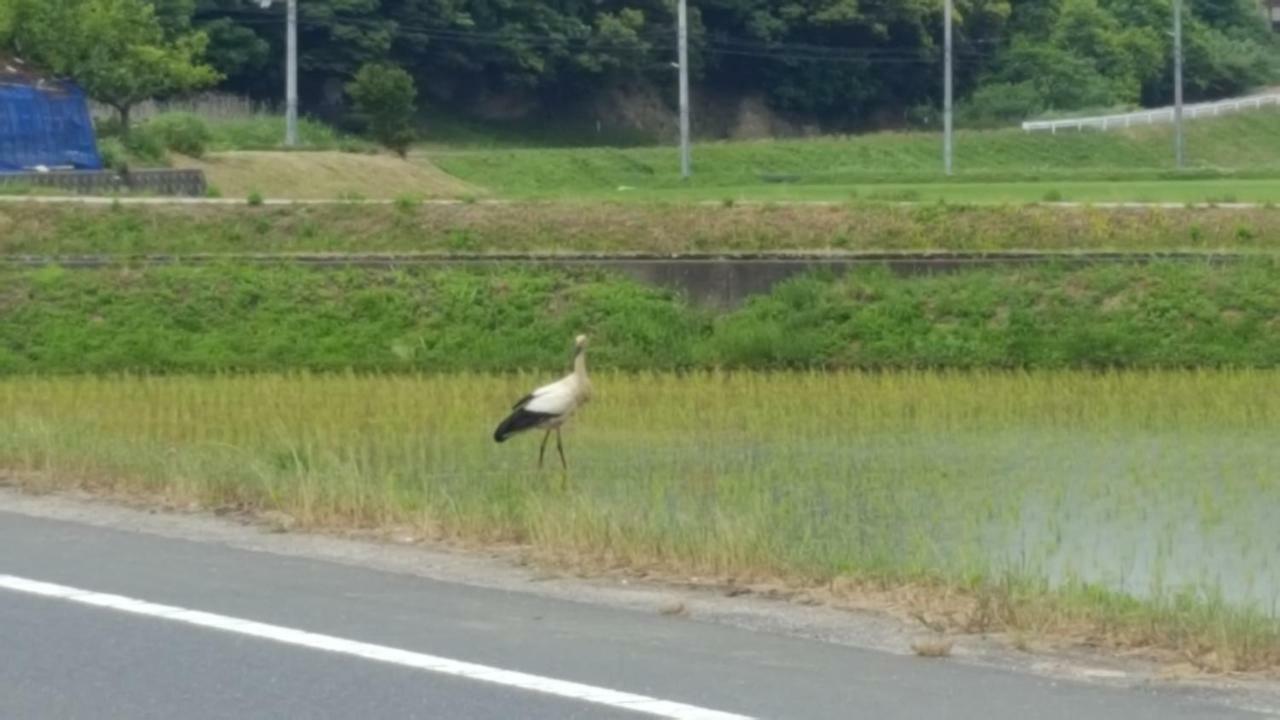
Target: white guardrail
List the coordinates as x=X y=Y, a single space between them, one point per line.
x=1153 y=117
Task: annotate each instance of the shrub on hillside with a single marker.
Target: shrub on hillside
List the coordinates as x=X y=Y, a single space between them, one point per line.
x=145 y=145
x=384 y=101
x=1062 y=79
x=106 y=127
x=114 y=155
x=266 y=132
x=182 y=133
x=1000 y=104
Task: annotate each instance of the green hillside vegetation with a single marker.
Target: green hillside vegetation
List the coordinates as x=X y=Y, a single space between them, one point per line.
x=839 y=62
x=841 y=65
x=227 y=318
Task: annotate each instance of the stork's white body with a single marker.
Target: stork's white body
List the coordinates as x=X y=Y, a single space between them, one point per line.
x=559 y=400
x=550 y=406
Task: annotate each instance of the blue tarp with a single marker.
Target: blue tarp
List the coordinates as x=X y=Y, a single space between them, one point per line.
x=47 y=125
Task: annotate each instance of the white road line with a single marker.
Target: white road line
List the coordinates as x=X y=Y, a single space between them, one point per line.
x=382 y=653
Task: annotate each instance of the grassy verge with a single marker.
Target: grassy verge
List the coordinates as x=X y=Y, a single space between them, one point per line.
x=1057 y=502
x=225 y=318
x=151 y=143
x=1244 y=142
x=1260 y=191
x=605 y=227
x=266 y=132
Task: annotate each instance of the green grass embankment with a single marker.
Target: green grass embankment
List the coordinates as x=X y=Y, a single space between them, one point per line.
x=30 y=229
x=1239 y=144
x=224 y=318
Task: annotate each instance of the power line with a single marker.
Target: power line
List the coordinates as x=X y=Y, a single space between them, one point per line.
x=853 y=59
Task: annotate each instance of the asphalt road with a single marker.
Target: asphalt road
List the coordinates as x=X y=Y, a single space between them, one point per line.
x=72 y=652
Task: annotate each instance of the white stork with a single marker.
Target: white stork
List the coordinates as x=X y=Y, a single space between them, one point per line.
x=550 y=406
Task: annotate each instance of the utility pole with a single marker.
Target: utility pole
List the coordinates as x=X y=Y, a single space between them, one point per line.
x=1177 y=83
x=682 y=50
x=946 y=88
x=290 y=70
x=291 y=76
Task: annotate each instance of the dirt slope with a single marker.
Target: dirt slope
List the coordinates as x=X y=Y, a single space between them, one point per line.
x=325 y=175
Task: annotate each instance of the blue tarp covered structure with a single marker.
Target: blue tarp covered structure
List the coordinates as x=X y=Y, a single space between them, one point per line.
x=44 y=122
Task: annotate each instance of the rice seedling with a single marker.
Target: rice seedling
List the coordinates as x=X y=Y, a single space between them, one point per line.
x=1138 y=505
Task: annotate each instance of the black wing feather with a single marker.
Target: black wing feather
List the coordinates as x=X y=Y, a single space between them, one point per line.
x=518 y=421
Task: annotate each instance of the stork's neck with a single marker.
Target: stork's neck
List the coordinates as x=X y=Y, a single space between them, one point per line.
x=580 y=364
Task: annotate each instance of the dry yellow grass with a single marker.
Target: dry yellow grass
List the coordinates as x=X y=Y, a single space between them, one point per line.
x=323 y=175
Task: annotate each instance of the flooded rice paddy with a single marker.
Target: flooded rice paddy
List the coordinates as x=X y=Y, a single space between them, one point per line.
x=1153 y=484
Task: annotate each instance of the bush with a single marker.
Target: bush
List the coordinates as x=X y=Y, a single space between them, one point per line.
x=266 y=132
x=114 y=155
x=1001 y=103
x=384 y=101
x=923 y=116
x=1061 y=79
x=146 y=145
x=183 y=133
x=1226 y=66
x=108 y=127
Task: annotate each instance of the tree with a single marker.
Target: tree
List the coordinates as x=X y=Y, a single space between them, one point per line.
x=117 y=50
x=235 y=50
x=841 y=63
x=6 y=22
x=174 y=15
x=384 y=99
x=339 y=36
x=1064 y=81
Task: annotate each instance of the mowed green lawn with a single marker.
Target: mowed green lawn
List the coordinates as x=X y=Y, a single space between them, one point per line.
x=1218 y=190
x=1229 y=159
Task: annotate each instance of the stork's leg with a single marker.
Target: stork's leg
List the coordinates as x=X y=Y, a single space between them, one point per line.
x=560 y=449
x=543 y=450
